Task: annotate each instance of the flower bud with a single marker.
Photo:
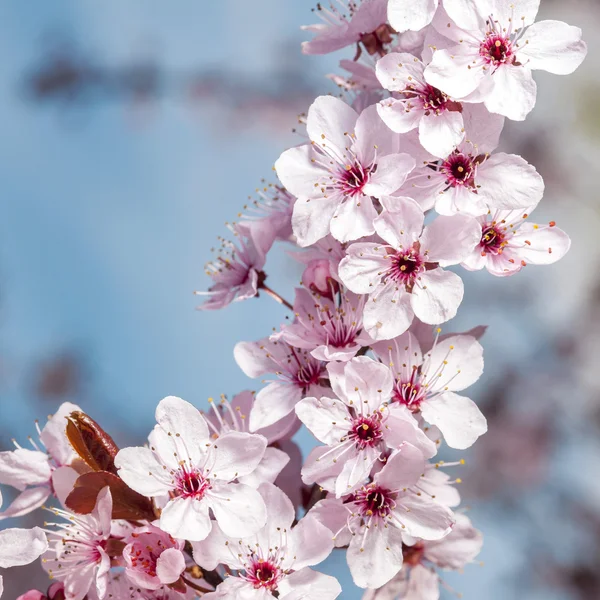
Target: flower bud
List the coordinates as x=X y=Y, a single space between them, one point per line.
x=317 y=278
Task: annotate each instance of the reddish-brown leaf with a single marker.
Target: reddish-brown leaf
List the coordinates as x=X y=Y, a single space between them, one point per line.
x=95 y=447
x=127 y=504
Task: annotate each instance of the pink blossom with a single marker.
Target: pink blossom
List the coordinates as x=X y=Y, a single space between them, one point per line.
x=418 y=579
x=237 y=269
x=413 y=15
x=120 y=588
x=197 y=472
x=497 y=46
x=77 y=555
x=318 y=279
x=55 y=592
x=351 y=159
x=298 y=375
x=427 y=384
x=330 y=251
x=471 y=179
x=404 y=277
x=153 y=558
x=416 y=104
x=274 y=561
x=348 y=22
x=43 y=471
x=329 y=329
x=508 y=243
x=358 y=427
x=374 y=520
x=234 y=416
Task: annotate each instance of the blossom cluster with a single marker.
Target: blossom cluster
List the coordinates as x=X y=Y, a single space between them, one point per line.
x=397 y=187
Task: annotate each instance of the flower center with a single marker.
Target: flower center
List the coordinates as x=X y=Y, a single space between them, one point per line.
x=366 y=431
x=492 y=240
x=309 y=372
x=433 y=99
x=264 y=574
x=497 y=50
x=410 y=393
x=354 y=178
x=191 y=484
x=405 y=266
x=459 y=169
x=375 y=500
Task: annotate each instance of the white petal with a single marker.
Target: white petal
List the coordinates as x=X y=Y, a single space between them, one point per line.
x=401 y=227
x=507 y=182
x=395 y=115
x=170 y=565
x=308 y=584
x=540 y=244
x=186 y=519
x=329 y=122
x=402 y=427
x=424 y=518
x=22 y=467
x=273 y=403
x=239 y=510
x=362 y=268
x=353 y=219
x=269 y=468
x=514 y=92
x=403 y=469
x=54 y=434
x=309 y=543
x=142 y=472
x=552 y=46
x=413 y=16
x=392 y=171
x=26 y=502
x=449 y=240
x=457 y=549
x=235 y=454
x=311 y=219
x=373 y=137
x=356 y=470
x=453 y=72
x=482 y=127
x=388 y=313
x=332 y=513
x=440 y=134
x=298 y=173
x=326 y=418
x=21 y=546
x=457 y=417
x=437 y=298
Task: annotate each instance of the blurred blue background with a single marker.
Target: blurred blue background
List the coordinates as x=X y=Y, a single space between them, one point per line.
x=131 y=131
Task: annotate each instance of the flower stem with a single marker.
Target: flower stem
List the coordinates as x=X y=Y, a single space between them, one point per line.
x=275 y=296
x=195 y=586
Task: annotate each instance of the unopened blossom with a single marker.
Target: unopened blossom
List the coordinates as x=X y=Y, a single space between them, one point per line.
x=77 y=554
x=275 y=562
x=236 y=270
x=417 y=104
x=298 y=374
x=350 y=160
x=331 y=329
x=197 y=473
x=426 y=383
x=508 y=243
x=413 y=15
x=326 y=250
x=153 y=558
x=376 y=518
x=55 y=592
x=404 y=276
x=497 y=45
x=349 y=22
x=234 y=416
x=358 y=427
x=317 y=278
x=472 y=178
x=42 y=471
x=418 y=579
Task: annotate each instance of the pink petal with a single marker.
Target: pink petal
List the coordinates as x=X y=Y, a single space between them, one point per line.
x=298 y=172
x=306 y=583
x=453 y=72
x=449 y=240
x=413 y=16
x=326 y=418
x=170 y=565
x=514 y=92
x=424 y=518
x=403 y=469
x=329 y=122
x=311 y=219
x=239 y=510
x=309 y=543
x=235 y=454
x=440 y=134
x=437 y=297
x=186 y=519
x=21 y=546
x=401 y=227
x=273 y=403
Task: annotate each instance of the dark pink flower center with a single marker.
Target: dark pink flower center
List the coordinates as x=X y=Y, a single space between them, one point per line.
x=374 y=500
x=410 y=393
x=263 y=574
x=433 y=99
x=309 y=372
x=366 y=431
x=353 y=179
x=405 y=266
x=191 y=484
x=459 y=169
x=492 y=240
x=497 y=50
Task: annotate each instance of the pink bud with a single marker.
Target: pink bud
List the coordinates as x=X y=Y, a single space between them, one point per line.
x=317 y=278
x=32 y=595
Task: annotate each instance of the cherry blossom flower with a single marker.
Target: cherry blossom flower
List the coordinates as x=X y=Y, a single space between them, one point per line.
x=358 y=427
x=348 y=22
x=43 y=471
x=497 y=46
x=120 y=587
x=298 y=375
x=413 y=15
x=233 y=416
x=471 y=179
x=197 y=472
x=404 y=276
x=427 y=384
x=329 y=329
x=275 y=562
x=374 y=520
x=418 y=579
x=351 y=159
x=55 y=592
x=153 y=558
x=508 y=243
x=237 y=270
x=77 y=554
x=416 y=104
